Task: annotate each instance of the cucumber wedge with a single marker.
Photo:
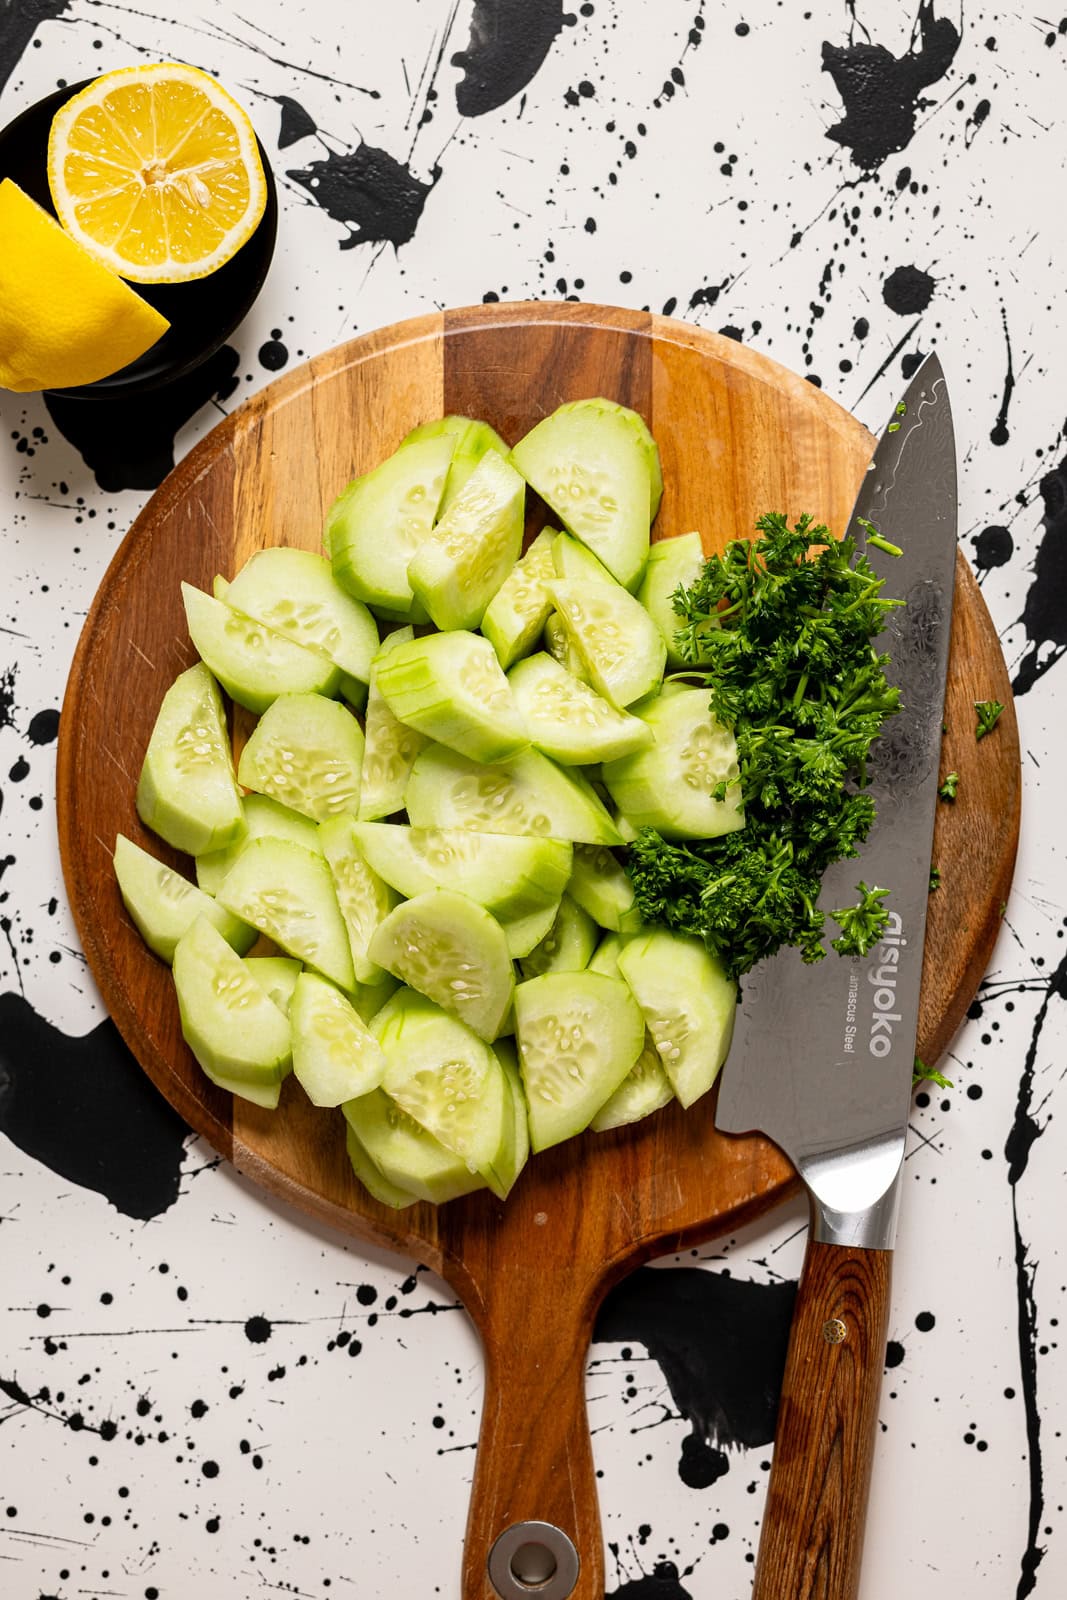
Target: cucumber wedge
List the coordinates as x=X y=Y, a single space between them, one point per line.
x=163 y=905
x=264 y=819
x=219 y=586
x=375 y=1182
x=621 y=648
x=472 y=438
x=593 y=471
x=688 y=1003
x=390 y=748
x=459 y=567
x=601 y=886
x=187 y=792
x=375 y=526
x=671 y=562
x=232 y=1026
x=605 y=957
x=519 y=1148
x=571 y=560
x=287 y=893
x=451 y=950
x=525 y=933
x=364 y=898
x=520 y=608
x=276 y=974
x=671 y=785
x=335 y=1056
x=558 y=645
x=408 y=1158
x=306 y=753
x=567 y=946
x=450 y=686
x=641 y=430
x=509 y=875
x=293 y=592
x=529 y=795
x=252 y=662
x=568 y=720
x=578 y=1034
x=645 y=1088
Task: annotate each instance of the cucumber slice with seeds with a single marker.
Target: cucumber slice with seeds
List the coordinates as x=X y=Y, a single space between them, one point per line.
x=408 y=1158
x=578 y=1035
x=621 y=647
x=364 y=898
x=642 y=432
x=520 y=608
x=375 y=1182
x=287 y=893
x=688 y=1003
x=672 y=562
x=600 y=884
x=568 y=720
x=558 y=645
x=390 y=746
x=567 y=946
x=459 y=567
x=645 y=1088
x=450 y=949
x=252 y=662
x=450 y=686
x=276 y=974
x=519 y=1149
x=306 y=753
x=238 y=1035
x=335 y=1056
x=671 y=785
x=528 y=795
x=593 y=471
x=375 y=526
x=293 y=592
x=472 y=438
x=163 y=905
x=264 y=819
x=509 y=875
x=187 y=792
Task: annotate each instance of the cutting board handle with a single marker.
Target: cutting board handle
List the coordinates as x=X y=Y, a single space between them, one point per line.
x=812 y=1538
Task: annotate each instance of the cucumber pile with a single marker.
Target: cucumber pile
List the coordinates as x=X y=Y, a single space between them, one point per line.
x=427 y=823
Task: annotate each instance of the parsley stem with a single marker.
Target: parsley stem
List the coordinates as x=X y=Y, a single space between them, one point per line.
x=884 y=544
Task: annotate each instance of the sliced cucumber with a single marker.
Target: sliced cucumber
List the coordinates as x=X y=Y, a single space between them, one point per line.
x=593 y=471
x=558 y=646
x=287 y=893
x=671 y=562
x=578 y=1035
x=688 y=1003
x=276 y=974
x=371 y=998
x=568 y=720
x=376 y=1183
x=450 y=686
x=335 y=1055
x=621 y=647
x=567 y=946
x=374 y=528
x=408 y=1158
x=391 y=746
x=187 y=792
x=571 y=560
x=526 y=932
x=163 y=905
x=529 y=795
x=472 y=438
x=450 y=949
x=671 y=786
x=645 y=1088
x=232 y=1026
x=520 y=608
x=293 y=592
x=219 y=586
x=264 y=819
x=605 y=957
x=510 y=876
x=519 y=1148
x=601 y=886
x=305 y=752
x=641 y=429
x=441 y=1073
x=459 y=567
x=252 y=662
x=364 y=898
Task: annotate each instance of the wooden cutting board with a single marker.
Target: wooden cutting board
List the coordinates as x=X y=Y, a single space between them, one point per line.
x=738 y=435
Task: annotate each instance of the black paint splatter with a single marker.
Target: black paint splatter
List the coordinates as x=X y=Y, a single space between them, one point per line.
x=999 y=434
x=258 y=1330
x=84 y=1108
x=7 y=697
x=662 y=1583
x=297 y=123
x=721 y=1343
x=273 y=353
x=19 y=21
x=882 y=93
x=376 y=197
x=44 y=727
x=508 y=41
x=129 y=444
x=993 y=547
x=1045 y=612
x=908 y=290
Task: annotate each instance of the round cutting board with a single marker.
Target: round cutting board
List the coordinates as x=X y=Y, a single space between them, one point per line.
x=738 y=435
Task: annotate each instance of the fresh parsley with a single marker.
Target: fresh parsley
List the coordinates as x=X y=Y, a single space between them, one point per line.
x=949 y=786
x=791 y=670
x=935 y=878
x=988 y=714
x=921 y=1073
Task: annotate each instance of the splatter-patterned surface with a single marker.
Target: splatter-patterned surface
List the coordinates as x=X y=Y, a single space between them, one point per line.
x=200 y=1391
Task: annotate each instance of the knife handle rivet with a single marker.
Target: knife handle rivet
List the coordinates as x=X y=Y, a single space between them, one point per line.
x=834 y=1331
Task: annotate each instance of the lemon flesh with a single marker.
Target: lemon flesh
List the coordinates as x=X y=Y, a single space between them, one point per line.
x=156 y=170
x=65 y=320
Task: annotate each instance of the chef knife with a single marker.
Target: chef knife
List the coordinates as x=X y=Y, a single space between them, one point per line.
x=823 y=1055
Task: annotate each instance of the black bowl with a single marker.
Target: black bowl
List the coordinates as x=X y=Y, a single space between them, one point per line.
x=202 y=314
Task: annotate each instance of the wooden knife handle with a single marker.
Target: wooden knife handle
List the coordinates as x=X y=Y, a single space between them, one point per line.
x=812 y=1538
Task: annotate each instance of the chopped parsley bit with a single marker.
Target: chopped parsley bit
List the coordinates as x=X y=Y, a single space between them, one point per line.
x=793 y=674
x=948 y=789
x=862 y=925
x=924 y=1074
x=874 y=537
x=988 y=713
x=935 y=878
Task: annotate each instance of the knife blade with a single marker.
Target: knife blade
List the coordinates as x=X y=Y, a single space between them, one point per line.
x=823 y=1055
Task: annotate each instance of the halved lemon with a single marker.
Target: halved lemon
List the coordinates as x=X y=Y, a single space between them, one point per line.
x=156 y=171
